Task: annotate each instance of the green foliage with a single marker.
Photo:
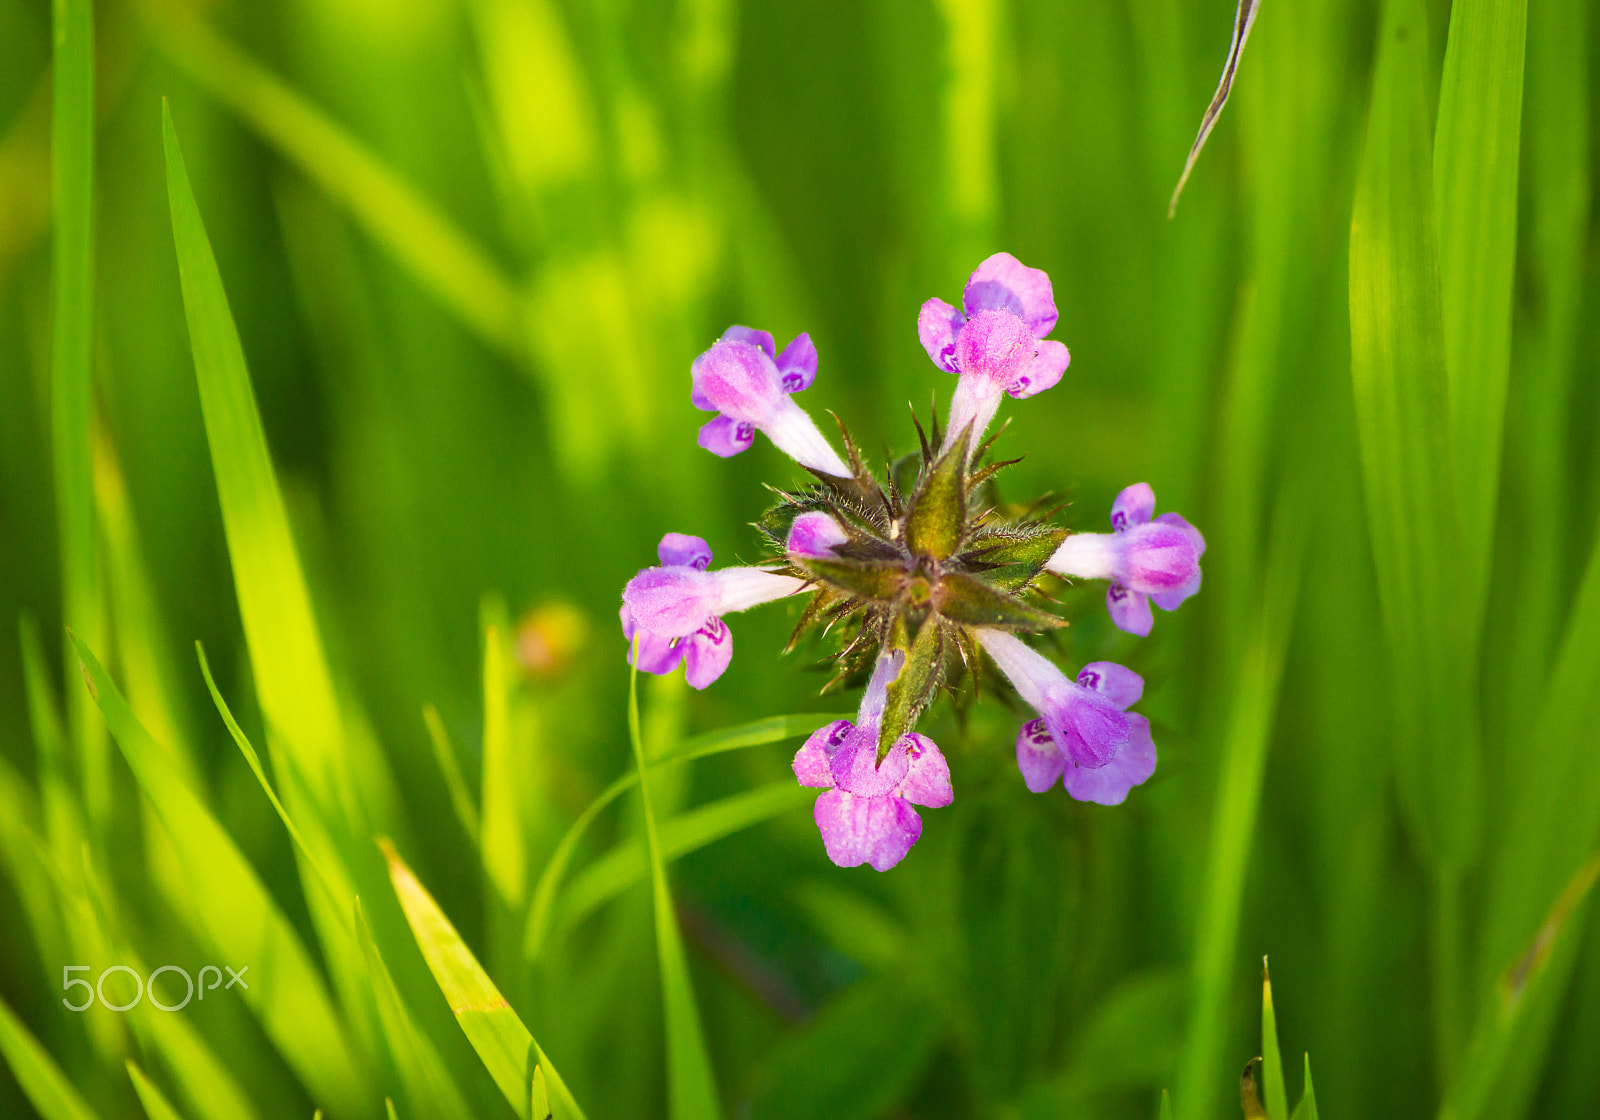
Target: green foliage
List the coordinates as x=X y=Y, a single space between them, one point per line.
x=438 y=272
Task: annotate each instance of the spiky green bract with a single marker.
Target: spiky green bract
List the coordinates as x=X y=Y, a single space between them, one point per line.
x=932 y=555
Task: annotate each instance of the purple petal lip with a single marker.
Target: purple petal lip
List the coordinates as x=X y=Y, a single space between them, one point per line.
x=738 y=379
x=1133 y=506
x=671 y=602
x=797 y=365
x=1109 y=785
x=938 y=324
x=707 y=653
x=726 y=437
x=1129 y=609
x=1004 y=283
x=761 y=340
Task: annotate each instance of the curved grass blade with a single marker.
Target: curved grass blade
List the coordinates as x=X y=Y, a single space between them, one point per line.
x=429 y=1087
x=156 y=1106
x=508 y=1051
x=628 y=863
x=240 y=921
x=773 y=729
x=254 y=760
x=41 y=1079
x=444 y=754
x=691 y=1086
x=441 y=257
x=1243 y=19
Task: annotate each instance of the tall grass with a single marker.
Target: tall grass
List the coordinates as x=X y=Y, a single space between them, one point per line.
x=351 y=341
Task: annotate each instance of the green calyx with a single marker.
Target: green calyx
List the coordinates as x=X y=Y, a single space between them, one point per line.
x=929 y=556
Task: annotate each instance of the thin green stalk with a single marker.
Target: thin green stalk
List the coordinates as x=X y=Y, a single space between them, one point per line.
x=691 y=1086
x=71 y=374
x=1448 y=962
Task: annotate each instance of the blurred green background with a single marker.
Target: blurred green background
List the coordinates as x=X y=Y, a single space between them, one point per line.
x=471 y=247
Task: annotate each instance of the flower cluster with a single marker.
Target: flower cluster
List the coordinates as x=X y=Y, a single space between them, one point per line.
x=923 y=575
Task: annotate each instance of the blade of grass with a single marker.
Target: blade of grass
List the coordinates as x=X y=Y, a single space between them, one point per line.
x=1475 y=169
x=156 y=1106
x=429 y=1088
x=1244 y=17
x=72 y=371
x=506 y=1048
x=239 y=920
x=1497 y=1032
x=41 y=1079
x=1307 y=1108
x=439 y=255
x=1245 y=745
x=773 y=729
x=242 y=741
x=628 y=863
x=444 y=754
x=505 y=860
x=1404 y=424
x=691 y=1086
x=1271 y=1058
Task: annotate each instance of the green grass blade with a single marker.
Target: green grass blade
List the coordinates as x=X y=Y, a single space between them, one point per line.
x=1307 y=1108
x=506 y=1048
x=253 y=760
x=429 y=1087
x=1166 y=1105
x=773 y=729
x=504 y=847
x=41 y=1079
x=1238 y=802
x=691 y=1085
x=1402 y=411
x=296 y=690
x=1277 y=1101
x=444 y=754
x=72 y=369
x=1500 y=1027
x=441 y=257
x=239 y=921
x=156 y=1106
x=626 y=865
x=1475 y=168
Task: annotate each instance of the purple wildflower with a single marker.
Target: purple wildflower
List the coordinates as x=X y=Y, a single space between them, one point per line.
x=866 y=815
x=815 y=535
x=745 y=381
x=997 y=345
x=1143 y=559
x=676 y=609
x=1085 y=731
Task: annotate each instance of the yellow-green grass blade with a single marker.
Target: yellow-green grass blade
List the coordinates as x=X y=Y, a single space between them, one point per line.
x=441 y=257
x=19 y=827
x=1166 y=1105
x=429 y=1087
x=239 y=921
x=1277 y=1101
x=1307 y=1108
x=1238 y=802
x=49 y=740
x=41 y=1079
x=156 y=1106
x=71 y=369
x=444 y=755
x=1475 y=175
x=1522 y=993
x=292 y=678
x=143 y=655
x=315 y=754
x=628 y=863
x=508 y=1051
x=1403 y=421
x=773 y=729
x=504 y=846
x=691 y=1085
x=1554 y=821
x=253 y=760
